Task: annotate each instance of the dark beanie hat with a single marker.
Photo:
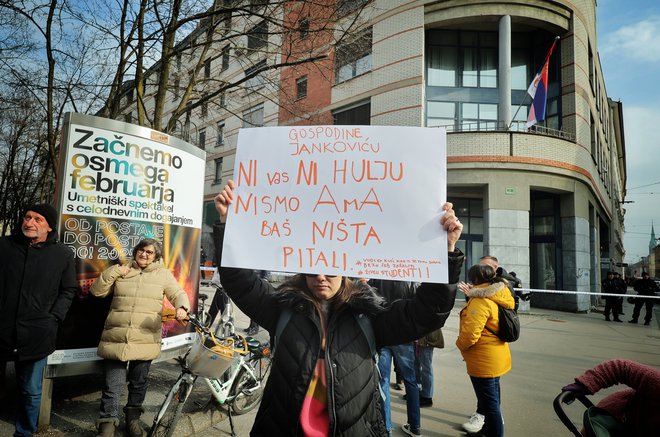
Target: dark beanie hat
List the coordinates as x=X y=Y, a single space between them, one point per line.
x=49 y=213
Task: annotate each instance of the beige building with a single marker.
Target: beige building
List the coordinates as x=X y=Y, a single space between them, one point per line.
x=545 y=200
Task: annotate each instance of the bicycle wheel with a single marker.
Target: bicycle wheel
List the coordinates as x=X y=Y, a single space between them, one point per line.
x=170 y=410
x=246 y=391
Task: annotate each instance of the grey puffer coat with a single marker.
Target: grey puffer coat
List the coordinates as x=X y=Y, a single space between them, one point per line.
x=352 y=379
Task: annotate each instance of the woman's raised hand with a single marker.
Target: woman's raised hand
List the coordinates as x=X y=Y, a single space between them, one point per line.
x=224 y=199
x=124 y=269
x=452 y=225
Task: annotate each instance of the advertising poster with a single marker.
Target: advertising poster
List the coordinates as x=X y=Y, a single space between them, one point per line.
x=120 y=183
x=361 y=201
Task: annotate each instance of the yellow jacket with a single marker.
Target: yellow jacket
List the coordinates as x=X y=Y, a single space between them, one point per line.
x=133 y=328
x=485 y=355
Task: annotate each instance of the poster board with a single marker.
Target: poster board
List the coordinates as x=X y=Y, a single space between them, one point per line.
x=120 y=183
x=361 y=201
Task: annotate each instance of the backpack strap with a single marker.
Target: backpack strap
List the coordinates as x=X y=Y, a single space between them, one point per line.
x=283 y=320
x=368 y=331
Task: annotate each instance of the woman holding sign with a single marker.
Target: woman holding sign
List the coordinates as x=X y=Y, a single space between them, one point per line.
x=327 y=328
x=132 y=333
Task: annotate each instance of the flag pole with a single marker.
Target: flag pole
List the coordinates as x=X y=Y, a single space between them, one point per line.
x=526 y=94
x=517 y=110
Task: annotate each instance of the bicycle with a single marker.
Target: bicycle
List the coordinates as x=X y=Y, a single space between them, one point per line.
x=234 y=368
x=219 y=302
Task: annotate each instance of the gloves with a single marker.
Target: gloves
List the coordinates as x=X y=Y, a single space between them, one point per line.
x=577 y=388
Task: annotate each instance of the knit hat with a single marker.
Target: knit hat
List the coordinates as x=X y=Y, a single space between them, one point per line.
x=49 y=213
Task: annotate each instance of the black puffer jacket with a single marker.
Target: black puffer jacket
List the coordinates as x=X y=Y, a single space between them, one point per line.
x=37 y=284
x=353 y=393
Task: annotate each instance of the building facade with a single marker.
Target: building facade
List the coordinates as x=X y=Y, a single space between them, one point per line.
x=545 y=200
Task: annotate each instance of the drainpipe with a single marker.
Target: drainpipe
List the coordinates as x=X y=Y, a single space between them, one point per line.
x=504 y=73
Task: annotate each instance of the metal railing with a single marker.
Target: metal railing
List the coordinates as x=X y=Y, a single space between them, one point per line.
x=516 y=126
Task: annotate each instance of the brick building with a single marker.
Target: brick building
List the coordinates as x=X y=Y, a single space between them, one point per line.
x=545 y=200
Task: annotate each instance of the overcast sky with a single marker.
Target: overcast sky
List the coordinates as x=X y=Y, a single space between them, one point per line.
x=629 y=46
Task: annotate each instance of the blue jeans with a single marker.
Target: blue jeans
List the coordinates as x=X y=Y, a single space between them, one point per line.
x=426 y=371
x=404 y=356
x=488 y=404
x=29 y=376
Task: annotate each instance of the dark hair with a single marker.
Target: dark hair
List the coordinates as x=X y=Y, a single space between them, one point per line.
x=490 y=257
x=158 y=248
x=298 y=284
x=483 y=274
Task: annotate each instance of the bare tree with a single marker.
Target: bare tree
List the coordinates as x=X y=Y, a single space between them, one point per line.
x=147 y=56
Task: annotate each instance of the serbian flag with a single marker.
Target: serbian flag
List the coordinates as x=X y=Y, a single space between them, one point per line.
x=538 y=89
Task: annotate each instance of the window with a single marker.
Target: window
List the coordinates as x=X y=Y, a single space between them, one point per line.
x=552 y=113
x=128 y=118
x=471 y=212
x=258 y=36
x=129 y=96
x=204 y=108
x=256 y=4
x=223 y=99
x=464 y=59
x=220 y=134
x=441 y=114
x=461 y=69
x=303 y=27
x=442 y=67
x=545 y=241
x=178 y=61
x=217 y=175
x=465 y=116
x=478 y=116
x=592 y=70
x=301 y=87
x=207 y=69
x=254 y=117
x=347 y=6
x=256 y=82
x=224 y=54
x=353 y=58
x=358 y=114
x=225 y=22
x=175 y=88
x=202 y=138
x=520 y=79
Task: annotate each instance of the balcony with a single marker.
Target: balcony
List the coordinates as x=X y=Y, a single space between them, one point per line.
x=518 y=126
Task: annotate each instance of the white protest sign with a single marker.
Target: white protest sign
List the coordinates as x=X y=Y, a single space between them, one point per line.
x=362 y=201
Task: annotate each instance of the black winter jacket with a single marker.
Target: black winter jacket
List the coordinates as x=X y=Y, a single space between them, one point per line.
x=353 y=387
x=37 y=284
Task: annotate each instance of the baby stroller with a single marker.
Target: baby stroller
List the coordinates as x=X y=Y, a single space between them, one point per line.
x=595 y=421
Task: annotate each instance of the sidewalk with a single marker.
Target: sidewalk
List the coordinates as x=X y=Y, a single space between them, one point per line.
x=554 y=348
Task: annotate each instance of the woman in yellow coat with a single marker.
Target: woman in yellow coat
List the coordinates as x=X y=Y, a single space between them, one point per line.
x=132 y=333
x=486 y=356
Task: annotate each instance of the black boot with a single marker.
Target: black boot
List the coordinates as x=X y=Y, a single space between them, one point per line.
x=632 y=321
x=607 y=318
x=133 y=424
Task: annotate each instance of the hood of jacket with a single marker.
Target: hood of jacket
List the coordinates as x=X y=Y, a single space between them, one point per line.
x=498 y=292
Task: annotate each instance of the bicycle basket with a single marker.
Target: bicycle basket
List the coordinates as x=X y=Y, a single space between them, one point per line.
x=210 y=362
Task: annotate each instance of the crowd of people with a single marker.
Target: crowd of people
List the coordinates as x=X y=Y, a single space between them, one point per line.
x=331 y=374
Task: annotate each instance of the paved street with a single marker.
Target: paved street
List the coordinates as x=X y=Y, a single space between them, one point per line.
x=554 y=347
